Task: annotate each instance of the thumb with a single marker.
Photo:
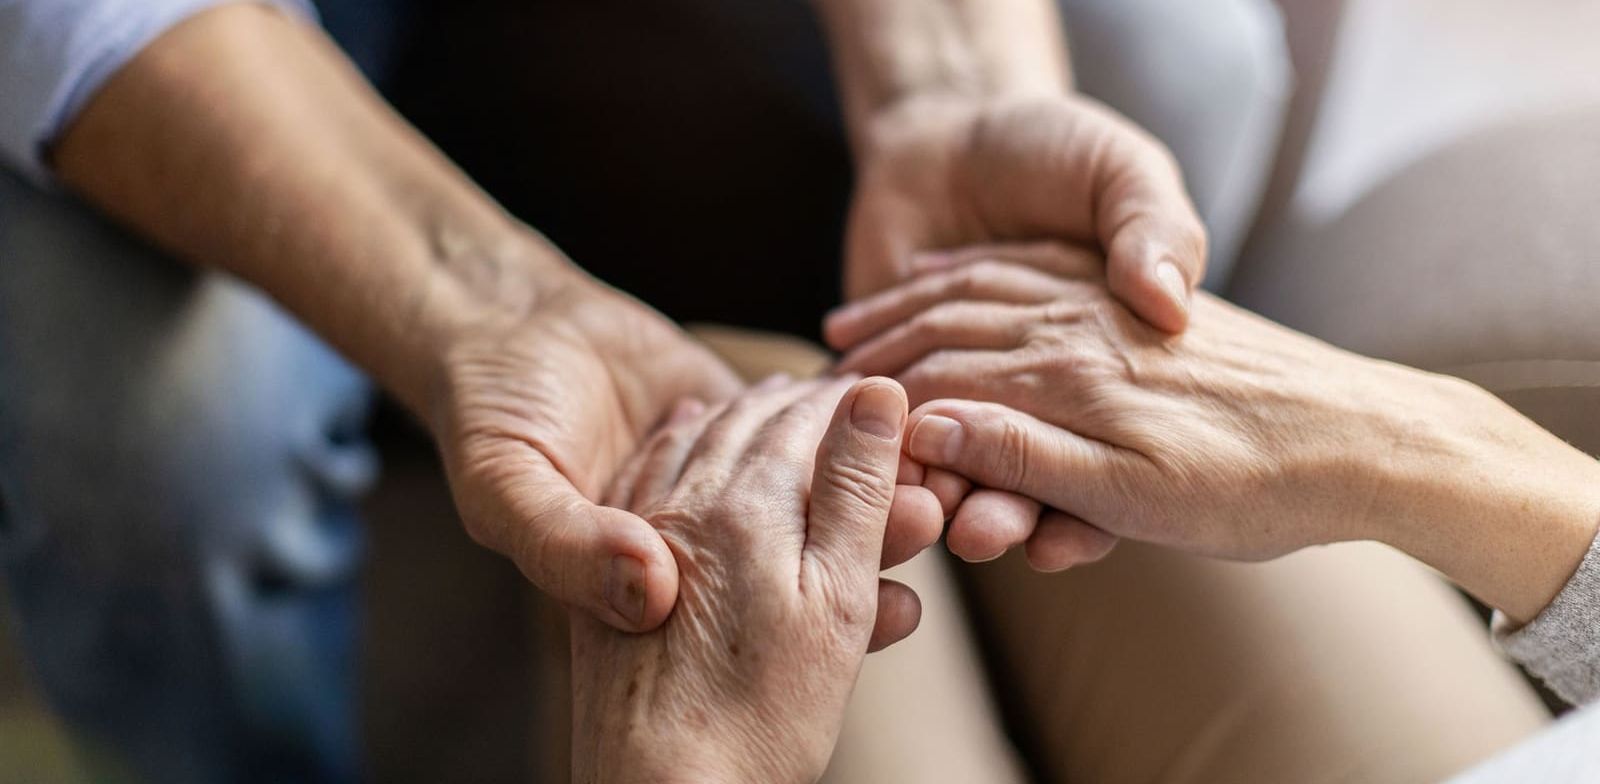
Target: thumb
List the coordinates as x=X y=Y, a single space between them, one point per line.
x=1152 y=266
x=1004 y=449
x=1155 y=243
x=609 y=562
x=853 y=484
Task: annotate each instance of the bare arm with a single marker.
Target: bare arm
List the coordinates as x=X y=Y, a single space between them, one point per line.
x=889 y=54
x=244 y=141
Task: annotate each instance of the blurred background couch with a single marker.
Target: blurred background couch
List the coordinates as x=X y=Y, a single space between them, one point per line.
x=1436 y=200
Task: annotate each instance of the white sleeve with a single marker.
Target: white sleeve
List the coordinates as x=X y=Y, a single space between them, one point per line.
x=55 y=54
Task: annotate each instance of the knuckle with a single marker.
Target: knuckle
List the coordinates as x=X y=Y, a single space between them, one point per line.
x=854 y=611
x=1012 y=455
x=924 y=325
x=968 y=281
x=859 y=485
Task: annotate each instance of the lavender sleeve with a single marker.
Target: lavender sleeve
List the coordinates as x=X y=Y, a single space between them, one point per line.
x=54 y=55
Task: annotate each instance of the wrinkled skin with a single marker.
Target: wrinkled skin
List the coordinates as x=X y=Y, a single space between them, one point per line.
x=541 y=407
x=778 y=543
x=1239 y=438
x=942 y=174
x=540 y=411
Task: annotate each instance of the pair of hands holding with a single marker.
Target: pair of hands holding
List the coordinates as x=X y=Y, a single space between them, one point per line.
x=721 y=515
x=1239 y=439
x=538 y=413
x=1047 y=377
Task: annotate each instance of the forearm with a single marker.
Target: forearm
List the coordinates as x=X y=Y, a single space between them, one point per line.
x=1504 y=509
x=889 y=52
x=243 y=140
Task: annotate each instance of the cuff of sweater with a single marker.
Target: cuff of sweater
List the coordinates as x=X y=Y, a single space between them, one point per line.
x=1562 y=644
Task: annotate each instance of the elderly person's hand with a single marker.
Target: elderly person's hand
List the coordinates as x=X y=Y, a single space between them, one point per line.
x=938 y=173
x=778 y=543
x=1240 y=438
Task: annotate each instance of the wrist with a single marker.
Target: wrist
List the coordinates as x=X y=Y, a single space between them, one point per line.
x=1500 y=506
x=474 y=287
x=888 y=53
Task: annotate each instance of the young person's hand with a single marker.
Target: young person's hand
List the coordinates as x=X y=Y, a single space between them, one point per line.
x=1240 y=438
x=941 y=173
x=537 y=412
x=778 y=543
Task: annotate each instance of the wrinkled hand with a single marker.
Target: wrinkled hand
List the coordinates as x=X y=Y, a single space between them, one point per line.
x=538 y=413
x=1240 y=438
x=778 y=543
x=938 y=174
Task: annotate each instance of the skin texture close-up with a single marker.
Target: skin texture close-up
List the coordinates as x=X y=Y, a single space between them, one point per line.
x=774 y=506
x=1240 y=439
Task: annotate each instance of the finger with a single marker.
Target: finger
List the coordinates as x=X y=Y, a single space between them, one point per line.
x=1112 y=181
x=915 y=522
x=853 y=484
x=949 y=487
x=663 y=464
x=989 y=523
x=1056 y=258
x=1062 y=541
x=986 y=280
x=899 y=614
x=728 y=435
x=1154 y=240
x=1005 y=449
x=621 y=492
x=967 y=374
x=1149 y=278
x=608 y=562
x=952 y=325
x=911 y=471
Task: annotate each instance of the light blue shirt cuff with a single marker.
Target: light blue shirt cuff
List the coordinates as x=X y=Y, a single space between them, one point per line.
x=56 y=54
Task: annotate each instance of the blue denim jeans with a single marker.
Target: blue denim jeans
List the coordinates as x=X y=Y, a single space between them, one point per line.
x=180 y=461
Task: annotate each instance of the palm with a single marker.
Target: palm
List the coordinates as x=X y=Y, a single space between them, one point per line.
x=539 y=416
x=1057 y=168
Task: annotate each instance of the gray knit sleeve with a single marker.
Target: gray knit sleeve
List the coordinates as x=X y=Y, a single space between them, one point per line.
x=1562 y=645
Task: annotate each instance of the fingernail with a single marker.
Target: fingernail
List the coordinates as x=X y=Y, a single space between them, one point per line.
x=1173 y=282
x=877 y=410
x=625 y=587
x=937 y=440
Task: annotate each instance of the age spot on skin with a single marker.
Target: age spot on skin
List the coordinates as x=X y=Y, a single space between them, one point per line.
x=633 y=687
x=733 y=649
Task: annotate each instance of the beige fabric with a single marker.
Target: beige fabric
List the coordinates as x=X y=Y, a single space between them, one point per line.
x=1482 y=261
x=1346 y=663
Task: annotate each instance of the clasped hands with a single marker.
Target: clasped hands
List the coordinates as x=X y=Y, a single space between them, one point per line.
x=1047 y=415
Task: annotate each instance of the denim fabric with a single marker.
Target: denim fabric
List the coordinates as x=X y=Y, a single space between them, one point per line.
x=179 y=462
